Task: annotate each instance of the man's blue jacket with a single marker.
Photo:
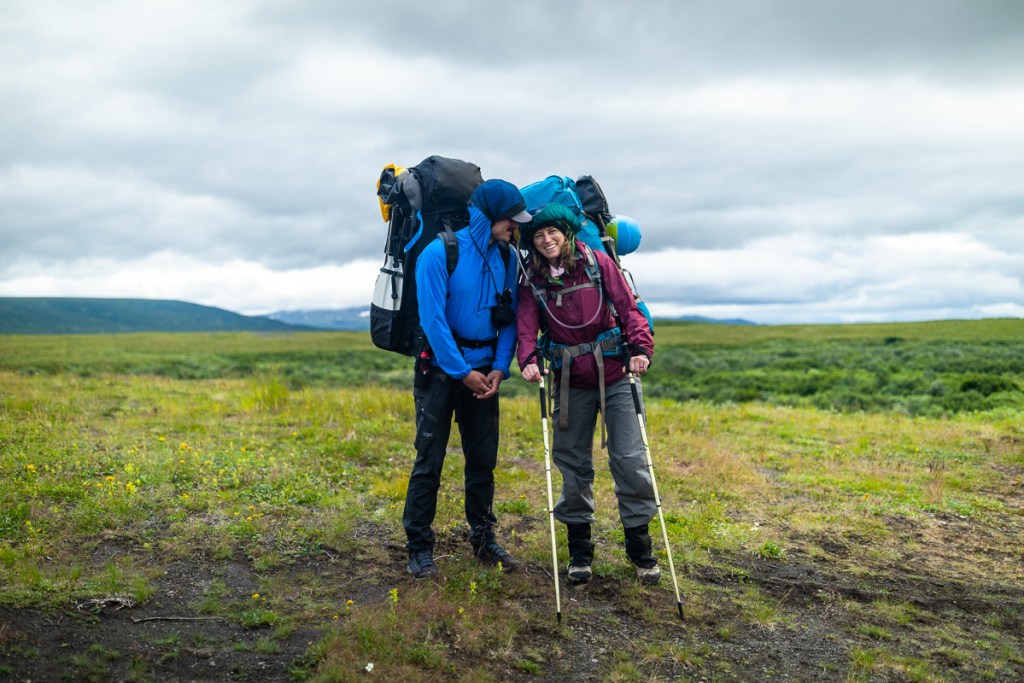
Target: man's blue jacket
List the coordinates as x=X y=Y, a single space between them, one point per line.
x=461 y=305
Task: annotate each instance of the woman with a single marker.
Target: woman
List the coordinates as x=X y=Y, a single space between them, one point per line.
x=576 y=294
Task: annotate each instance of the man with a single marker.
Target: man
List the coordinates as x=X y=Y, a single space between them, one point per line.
x=468 y=319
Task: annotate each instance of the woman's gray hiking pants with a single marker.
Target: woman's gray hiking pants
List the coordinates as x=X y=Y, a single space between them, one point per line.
x=573 y=454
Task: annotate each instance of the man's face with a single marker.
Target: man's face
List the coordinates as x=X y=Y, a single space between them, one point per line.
x=501 y=231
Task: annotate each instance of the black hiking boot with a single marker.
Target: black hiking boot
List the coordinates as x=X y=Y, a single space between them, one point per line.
x=638 y=550
x=421 y=564
x=581 y=553
x=487 y=550
x=580 y=574
x=492 y=553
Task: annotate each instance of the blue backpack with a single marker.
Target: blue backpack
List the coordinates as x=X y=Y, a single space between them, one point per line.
x=587 y=200
x=562 y=190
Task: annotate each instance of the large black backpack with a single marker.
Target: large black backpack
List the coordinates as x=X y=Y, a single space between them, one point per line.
x=418 y=203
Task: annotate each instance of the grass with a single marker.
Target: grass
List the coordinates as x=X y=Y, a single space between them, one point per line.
x=929 y=369
x=898 y=531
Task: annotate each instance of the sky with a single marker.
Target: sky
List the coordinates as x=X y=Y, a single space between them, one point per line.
x=788 y=161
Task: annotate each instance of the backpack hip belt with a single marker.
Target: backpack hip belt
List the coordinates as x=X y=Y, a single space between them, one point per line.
x=464 y=343
x=609 y=343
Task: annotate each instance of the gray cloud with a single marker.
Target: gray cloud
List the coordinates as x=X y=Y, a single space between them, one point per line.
x=253 y=132
x=691 y=40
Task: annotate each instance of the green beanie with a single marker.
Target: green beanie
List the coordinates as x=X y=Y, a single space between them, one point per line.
x=558 y=215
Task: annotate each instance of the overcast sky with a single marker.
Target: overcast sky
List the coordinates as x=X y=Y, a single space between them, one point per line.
x=787 y=160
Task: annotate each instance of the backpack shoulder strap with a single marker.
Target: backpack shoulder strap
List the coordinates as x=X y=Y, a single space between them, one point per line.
x=590 y=263
x=451 y=246
x=526 y=273
x=594 y=273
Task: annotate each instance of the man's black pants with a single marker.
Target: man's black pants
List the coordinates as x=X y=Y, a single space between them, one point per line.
x=438 y=397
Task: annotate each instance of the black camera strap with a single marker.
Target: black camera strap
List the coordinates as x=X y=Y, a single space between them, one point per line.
x=503 y=295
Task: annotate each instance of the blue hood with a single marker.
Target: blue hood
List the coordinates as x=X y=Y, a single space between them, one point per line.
x=461 y=305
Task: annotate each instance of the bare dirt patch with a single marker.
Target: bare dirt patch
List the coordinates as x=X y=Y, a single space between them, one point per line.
x=801 y=618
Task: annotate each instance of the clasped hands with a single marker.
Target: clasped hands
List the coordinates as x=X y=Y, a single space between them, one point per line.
x=483 y=386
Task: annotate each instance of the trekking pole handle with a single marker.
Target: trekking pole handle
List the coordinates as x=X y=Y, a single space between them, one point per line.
x=636 y=398
x=543 y=403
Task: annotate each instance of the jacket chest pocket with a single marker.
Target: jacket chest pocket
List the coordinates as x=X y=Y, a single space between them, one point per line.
x=576 y=303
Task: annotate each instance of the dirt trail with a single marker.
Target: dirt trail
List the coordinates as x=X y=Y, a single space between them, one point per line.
x=818 y=622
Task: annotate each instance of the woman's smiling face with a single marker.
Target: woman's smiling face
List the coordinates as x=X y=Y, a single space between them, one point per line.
x=548 y=241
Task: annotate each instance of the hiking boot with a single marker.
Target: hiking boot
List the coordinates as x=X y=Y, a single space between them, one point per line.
x=492 y=553
x=581 y=553
x=487 y=550
x=580 y=574
x=421 y=564
x=638 y=549
x=648 y=575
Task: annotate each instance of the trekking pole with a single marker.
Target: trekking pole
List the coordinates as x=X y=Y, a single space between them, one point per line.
x=551 y=503
x=654 y=484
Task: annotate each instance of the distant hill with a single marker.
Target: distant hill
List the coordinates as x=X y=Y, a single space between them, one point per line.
x=51 y=315
x=357 y=318
x=60 y=315
x=710 y=321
